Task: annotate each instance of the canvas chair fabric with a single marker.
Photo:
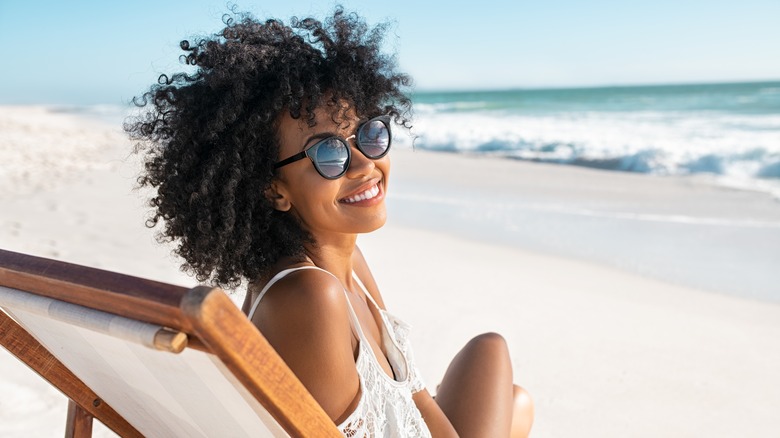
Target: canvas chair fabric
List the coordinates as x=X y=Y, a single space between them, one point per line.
x=202 y=391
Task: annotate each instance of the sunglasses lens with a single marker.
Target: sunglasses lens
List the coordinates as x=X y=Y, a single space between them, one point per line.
x=332 y=157
x=374 y=138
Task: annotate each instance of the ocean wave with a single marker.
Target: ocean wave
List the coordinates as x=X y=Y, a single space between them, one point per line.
x=645 y=142
x=430 y=108
x=738 y=150
x=771 y=170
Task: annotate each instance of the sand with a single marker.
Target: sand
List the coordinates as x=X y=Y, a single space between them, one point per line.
x=610 y=343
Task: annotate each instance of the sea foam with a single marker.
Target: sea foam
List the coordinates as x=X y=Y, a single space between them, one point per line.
x=666 y=133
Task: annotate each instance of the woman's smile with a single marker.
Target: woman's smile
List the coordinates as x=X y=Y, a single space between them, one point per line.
x=365 y=197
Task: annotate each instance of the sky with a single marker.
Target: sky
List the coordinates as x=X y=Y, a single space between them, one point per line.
x=92 y=52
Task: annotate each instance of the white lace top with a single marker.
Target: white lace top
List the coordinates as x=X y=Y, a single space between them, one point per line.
x=385 y=408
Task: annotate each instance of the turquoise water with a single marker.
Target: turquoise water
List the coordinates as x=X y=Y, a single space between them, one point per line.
x=730 y=131
x=739 y=98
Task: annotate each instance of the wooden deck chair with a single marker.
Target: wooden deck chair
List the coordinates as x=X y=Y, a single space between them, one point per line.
x=148 y=358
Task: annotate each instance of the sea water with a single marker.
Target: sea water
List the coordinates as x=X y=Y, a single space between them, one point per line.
x=729 y=131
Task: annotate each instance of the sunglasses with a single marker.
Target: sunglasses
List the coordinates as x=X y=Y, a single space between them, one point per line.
x=331 y=156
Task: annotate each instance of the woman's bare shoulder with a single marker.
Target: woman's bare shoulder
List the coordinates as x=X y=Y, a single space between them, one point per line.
x=305 y=305
x=305 y=318
x=302 y=290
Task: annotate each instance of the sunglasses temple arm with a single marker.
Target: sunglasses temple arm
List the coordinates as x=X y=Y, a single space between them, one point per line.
x=294 y=158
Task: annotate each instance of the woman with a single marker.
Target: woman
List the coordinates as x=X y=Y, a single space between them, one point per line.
x=268 y=160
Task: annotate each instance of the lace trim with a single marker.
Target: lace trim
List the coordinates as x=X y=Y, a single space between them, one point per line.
x=384 y=409
x=400 y=333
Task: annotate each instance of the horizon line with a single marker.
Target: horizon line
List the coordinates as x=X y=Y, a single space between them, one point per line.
x=594 y=87
x=60 y=103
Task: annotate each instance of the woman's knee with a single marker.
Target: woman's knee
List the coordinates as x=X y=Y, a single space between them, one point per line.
x=523 y=401
x=488 y=353
x=490 y=343
x=522 y=413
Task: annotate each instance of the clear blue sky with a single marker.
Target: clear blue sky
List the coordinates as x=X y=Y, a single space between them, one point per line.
x=79 y=51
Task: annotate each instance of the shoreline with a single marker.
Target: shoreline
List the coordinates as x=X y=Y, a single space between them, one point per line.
x=676 y=229
x=604 y=351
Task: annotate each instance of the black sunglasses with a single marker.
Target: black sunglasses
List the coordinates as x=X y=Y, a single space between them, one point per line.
x=331 y=156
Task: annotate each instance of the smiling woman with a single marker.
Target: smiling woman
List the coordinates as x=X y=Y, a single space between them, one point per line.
x=211 y=137
x=227 y=148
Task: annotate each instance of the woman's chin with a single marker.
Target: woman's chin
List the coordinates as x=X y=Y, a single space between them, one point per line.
x=376 y=223
x=374 y=228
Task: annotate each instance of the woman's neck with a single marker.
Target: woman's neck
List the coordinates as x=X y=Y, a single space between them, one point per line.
x=335 y=256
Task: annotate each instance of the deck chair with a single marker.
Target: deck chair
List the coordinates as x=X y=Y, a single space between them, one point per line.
x=147 y=358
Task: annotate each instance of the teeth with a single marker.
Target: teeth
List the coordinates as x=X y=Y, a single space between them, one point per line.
x=368 y=194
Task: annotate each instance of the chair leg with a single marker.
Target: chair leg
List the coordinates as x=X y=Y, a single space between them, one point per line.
x=79 y=424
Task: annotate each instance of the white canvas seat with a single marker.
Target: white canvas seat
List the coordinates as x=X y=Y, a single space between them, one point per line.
x=142 y=364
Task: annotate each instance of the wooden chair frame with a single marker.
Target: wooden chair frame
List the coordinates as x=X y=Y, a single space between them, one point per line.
x=209 y=318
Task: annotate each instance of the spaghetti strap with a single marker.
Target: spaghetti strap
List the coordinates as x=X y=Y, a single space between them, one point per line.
x=352 y=315
x=365 y=290
x=273 y=280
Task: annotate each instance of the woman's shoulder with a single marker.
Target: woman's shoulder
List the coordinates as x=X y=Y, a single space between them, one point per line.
x=303 y=291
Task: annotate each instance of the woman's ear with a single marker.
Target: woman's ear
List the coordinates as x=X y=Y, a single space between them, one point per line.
x=276 y=195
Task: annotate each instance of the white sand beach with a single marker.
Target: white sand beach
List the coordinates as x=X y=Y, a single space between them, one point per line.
x=633 y=305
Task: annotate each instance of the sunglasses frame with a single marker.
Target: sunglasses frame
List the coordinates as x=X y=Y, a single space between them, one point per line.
x=311 y=151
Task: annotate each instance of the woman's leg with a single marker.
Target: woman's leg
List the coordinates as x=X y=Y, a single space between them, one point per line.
x=476 y=393
x=522 y=414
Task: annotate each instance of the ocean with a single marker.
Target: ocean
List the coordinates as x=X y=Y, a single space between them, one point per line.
x=728 y=131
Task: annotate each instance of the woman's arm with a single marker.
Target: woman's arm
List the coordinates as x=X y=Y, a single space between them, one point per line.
x=434 y=417
x=305 y=318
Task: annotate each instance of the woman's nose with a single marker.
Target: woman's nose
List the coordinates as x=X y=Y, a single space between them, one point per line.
x=359 y=165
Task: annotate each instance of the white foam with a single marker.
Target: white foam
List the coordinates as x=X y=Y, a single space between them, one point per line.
x=742 y=147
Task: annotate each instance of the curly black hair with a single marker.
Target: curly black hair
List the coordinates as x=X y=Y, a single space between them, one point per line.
x=210 y=138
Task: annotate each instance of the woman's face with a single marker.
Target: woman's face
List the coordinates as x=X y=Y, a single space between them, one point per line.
x=326 y=206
